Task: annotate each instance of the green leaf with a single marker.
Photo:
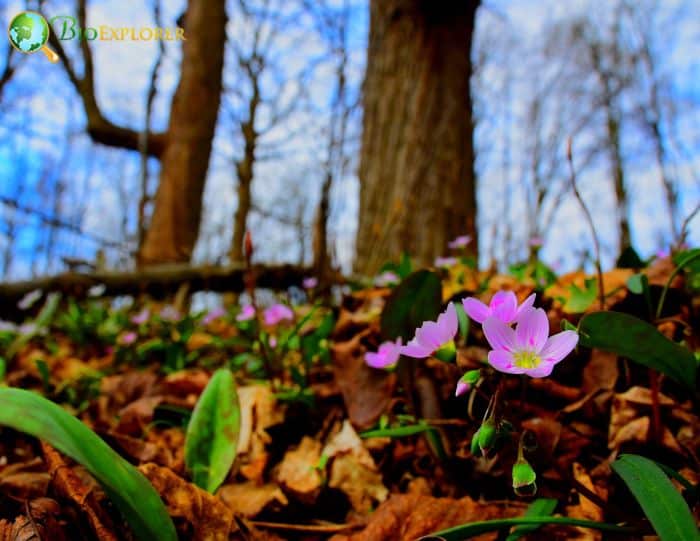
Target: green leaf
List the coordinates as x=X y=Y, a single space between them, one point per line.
x=581 y=299
x=465 y=531
x=541 y=507
x=660 y=501
x=212 y=433
x=43 y=319
x=417 y=299
x=639 y=341
x=128 y=489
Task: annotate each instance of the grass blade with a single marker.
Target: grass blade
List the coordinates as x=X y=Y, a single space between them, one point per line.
x=541 y=507
x=661 y=502
x=128 y=489
x=465 y=531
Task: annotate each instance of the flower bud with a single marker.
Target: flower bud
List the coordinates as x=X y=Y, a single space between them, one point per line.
x=466 y=381
x=487 y=436
x=524 y=478
x=475 y=444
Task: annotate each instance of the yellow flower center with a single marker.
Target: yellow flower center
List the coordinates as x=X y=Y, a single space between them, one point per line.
x=526 y=359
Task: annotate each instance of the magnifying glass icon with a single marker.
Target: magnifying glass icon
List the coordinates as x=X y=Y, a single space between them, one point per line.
x=28 y=33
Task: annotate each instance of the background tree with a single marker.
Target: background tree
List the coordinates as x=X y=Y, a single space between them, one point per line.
x=417 y=172
x=184 y=148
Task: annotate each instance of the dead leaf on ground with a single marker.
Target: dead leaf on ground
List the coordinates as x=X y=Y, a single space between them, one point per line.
x=353 y=470
x=25 y=480
x=407 y=517
x=586 y=509
x=298 y=474
x=75 y=484
x=249 y=499
x=207 y=517
x=366 y=391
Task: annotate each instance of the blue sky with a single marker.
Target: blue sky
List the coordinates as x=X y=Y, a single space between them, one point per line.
x=42 y=141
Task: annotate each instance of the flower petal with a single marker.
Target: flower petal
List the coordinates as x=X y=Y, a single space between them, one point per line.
x=532 y=330
x=504 y=306
x=542 y=370
x=525 y=306
x=416 y=350
x=559 y=346
x=504 y=362
x=447 y=324
x=499 y=335
x=429 y=335
x=476 y=309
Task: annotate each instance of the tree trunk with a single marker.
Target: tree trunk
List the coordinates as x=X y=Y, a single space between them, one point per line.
x=417 y=177
x=178 y=204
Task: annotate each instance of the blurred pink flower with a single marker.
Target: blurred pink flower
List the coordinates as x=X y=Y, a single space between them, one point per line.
x=29 y=299
x=272 y=341
x=536 y=242
x=386 y=278
x=386 y=356
x=213 y=315
x=170 y=313
x=503 y=305
x=128 y=338
x=278 y=312
x=528 y=349
x=247 y=313
x=445 y=261
x=433 y=335
x=459 y=242
x=310 y=282
x=142 y=317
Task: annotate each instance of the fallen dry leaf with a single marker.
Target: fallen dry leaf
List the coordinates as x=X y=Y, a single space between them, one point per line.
x=366 y=391
x=298 y=474
x=410 y=516
x=249 y=499
x=207 y=517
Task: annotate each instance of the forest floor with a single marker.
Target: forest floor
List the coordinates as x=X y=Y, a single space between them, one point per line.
x=330 y=448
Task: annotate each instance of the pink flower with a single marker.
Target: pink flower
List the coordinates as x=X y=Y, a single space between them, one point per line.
x=142 y=317
x=273 y=342
x=663 y=253
x=29 y=299
x=310 y=282
x=433 y=335
x=278 y=312
x=386 y=278
x=445 y=261
x=387 y=355
x=459 y=242
x=536 y=242
x=213 y=315
x=527 y=349
x=503 y=305
x=247 y=313
x=170 y=313
x=466 y=381
x=128 y=338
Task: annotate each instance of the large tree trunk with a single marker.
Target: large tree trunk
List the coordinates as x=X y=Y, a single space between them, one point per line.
x=417 y=177
x=178 y=206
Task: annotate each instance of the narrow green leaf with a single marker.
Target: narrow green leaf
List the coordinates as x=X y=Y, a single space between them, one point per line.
x=639 y=341
x=541 y=507
x=128 y=489
x=397 y=431
x=661 y=502
x=417 y=299
x=212 y=433
x=465 y=531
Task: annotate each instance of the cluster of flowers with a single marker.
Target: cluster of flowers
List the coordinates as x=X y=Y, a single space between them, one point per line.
x=525 y=349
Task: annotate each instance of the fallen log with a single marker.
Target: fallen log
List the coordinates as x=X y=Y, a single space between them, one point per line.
x=157 y=281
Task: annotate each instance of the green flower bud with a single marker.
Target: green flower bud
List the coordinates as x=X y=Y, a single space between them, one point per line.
x=447 y=353
x=475 y=444
x=524 y=478
x=487 y=436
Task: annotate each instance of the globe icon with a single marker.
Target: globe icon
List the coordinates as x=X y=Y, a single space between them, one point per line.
x=29 y=32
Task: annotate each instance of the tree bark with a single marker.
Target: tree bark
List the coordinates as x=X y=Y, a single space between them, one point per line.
x=178 y=204
x=417 y=175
